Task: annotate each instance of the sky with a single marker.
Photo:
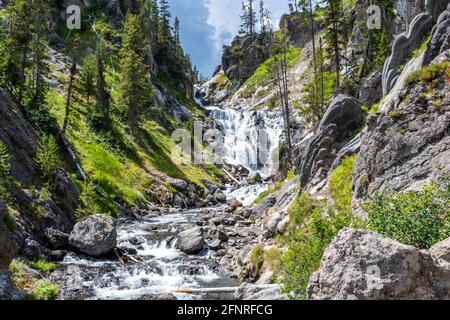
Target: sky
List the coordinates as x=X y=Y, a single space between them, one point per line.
x=207 y=25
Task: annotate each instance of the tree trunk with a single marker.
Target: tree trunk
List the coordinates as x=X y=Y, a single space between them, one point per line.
x=73 y=71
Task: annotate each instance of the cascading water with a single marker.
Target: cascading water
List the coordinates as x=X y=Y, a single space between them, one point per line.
x=251 y=139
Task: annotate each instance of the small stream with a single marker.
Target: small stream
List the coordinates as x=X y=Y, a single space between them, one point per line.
x=163 y=269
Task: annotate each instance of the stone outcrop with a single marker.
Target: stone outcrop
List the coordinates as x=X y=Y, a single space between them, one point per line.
x=440 y=39
x=296 y=26
x=402 y=48
x=95 y=235
x=409 y=146
x=361 y=265
x=243 y=57
x=343 y=117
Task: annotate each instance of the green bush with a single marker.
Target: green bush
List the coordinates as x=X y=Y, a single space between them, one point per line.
x=306 y=245
x=418 y=218
x=47 y=156
x=45 y=290
x=429 y=74
x=302 y=207
x=341 y=183
x=44 y=266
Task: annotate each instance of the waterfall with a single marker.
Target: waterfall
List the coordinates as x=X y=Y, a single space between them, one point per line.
x=251 y=138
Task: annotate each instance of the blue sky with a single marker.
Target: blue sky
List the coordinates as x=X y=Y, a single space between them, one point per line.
x=206 y=25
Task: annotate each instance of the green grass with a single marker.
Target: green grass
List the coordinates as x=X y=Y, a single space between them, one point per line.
x=44 y=266
x=341 y=183
x=222 y=81
x=45 y=290
x=429 y=74
x=264 y=72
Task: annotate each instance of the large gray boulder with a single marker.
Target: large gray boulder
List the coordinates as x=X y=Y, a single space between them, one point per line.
x=95 y=235
x=317 y=154
x=191 y=241
x=402 y=48
x=360 y=265
x=440 y=39
x=441 y=250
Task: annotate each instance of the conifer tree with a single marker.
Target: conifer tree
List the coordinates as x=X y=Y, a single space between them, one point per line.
x=335 y=32
x=248 y=17
x=136 y=86
x=164 y=19
x=102 y=97
x=176 y=29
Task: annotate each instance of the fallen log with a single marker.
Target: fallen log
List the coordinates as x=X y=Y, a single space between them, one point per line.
x=220 y=290
x=231 y=176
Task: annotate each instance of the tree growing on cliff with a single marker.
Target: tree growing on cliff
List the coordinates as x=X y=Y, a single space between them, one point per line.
x=176 y=30
x=164 y=20
x=248 y=18
x=136 y=85
x=264 y=19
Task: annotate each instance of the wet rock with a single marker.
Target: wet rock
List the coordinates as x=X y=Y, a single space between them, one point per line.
x=220 y=197
x=33 y=250
x=95 y=235
x=215 y=245
x=178 y=184
x=190 y=241
x=221 y=235
x=361 y=264
x=57 y=239
x=254 y=178
x=7 y=290
x=210 y=187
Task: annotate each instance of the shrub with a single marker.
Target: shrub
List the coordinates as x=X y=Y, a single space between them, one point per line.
x=302 y=207
x=256 y=259
x=418 y=218
x=44 y=266
x=429 y=74
x=47 y=156
x=272 y=256
x=341 y=183
x=45 y=290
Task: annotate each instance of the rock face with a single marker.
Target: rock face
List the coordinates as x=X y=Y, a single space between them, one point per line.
x=441 y=250
x=9 y=246
x=361 y=265
x=7 y=290
x=402 y=48
x=191 y=241
x=19 y=138
x=95 y=235
x=409 y=146
x=440 y=40
x=297 y=28
x=243 y=57
x=214 y=91
x=344 y=116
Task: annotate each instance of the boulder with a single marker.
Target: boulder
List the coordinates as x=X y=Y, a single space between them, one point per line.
x=262 y=208
x=361 y=264
x=215 y=245
x=57 y=239
x=271 y=223
x=95 y=235
x=254 y=178
x=178 y=184
x=441 y=250
x=220 y=197
x=191 y=241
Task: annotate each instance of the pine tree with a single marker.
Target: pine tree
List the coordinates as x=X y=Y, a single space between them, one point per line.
x=248 y=18
x=102 y=96
x=153 y=9
x=264 y=19
x=164 y=19
x=16 y=46
x=335 y=31
x=136 y=86
x=40 y=12
x=85 y=85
